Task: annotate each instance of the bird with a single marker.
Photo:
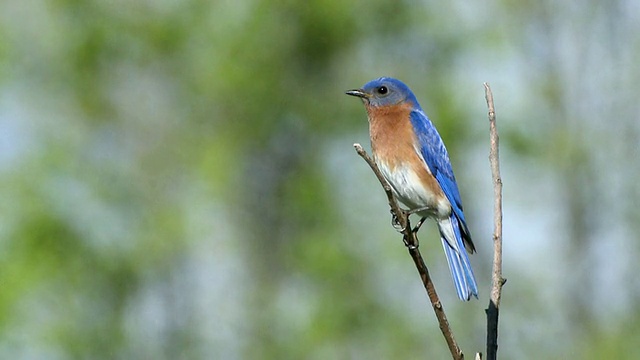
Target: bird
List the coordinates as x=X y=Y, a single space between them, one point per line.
x=413 y=159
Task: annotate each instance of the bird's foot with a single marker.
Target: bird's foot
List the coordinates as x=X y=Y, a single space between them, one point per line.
x=419 y=224
x=395 y=222
x=409 y=244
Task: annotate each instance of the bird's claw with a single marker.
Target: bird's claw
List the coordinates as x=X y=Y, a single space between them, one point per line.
x=419 y=224
x=409 y=245
x=395 y=222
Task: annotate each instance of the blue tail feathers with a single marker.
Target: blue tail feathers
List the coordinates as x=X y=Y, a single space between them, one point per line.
x=458 y=259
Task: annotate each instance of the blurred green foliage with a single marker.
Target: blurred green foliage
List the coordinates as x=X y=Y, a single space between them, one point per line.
x=177 y=178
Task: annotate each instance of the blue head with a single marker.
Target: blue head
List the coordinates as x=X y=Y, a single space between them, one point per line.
x=385 y=91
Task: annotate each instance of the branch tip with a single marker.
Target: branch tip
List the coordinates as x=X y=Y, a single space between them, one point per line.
x=497 y=281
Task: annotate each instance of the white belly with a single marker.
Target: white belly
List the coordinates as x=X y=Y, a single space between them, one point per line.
x=411 y=191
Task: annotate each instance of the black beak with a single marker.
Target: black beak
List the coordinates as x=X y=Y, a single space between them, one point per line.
x=358 y=92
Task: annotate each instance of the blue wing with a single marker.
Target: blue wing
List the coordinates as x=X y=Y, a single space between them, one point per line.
x=437 y=158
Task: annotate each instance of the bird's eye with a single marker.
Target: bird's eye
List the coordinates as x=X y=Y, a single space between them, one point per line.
x=382 y=90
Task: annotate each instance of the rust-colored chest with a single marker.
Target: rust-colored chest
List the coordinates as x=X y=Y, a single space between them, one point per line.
x=392 y=135
x=396 y=151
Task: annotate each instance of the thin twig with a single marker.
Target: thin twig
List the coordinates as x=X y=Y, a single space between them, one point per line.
x=497 y=281
x=411 y=241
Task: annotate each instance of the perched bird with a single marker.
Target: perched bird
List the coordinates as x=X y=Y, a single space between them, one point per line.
x=412 y=157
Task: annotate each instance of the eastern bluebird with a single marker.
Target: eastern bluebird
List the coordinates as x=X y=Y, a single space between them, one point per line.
x=413 y=159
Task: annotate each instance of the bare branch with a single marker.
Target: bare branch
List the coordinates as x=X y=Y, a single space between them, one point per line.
x=497 y=281
x=411 y=241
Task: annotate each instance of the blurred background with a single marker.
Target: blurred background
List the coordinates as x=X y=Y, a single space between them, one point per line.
x=177 y=178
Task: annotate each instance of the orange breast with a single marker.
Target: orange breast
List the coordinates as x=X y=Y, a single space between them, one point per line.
x=391 y=133
x=392 y=142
